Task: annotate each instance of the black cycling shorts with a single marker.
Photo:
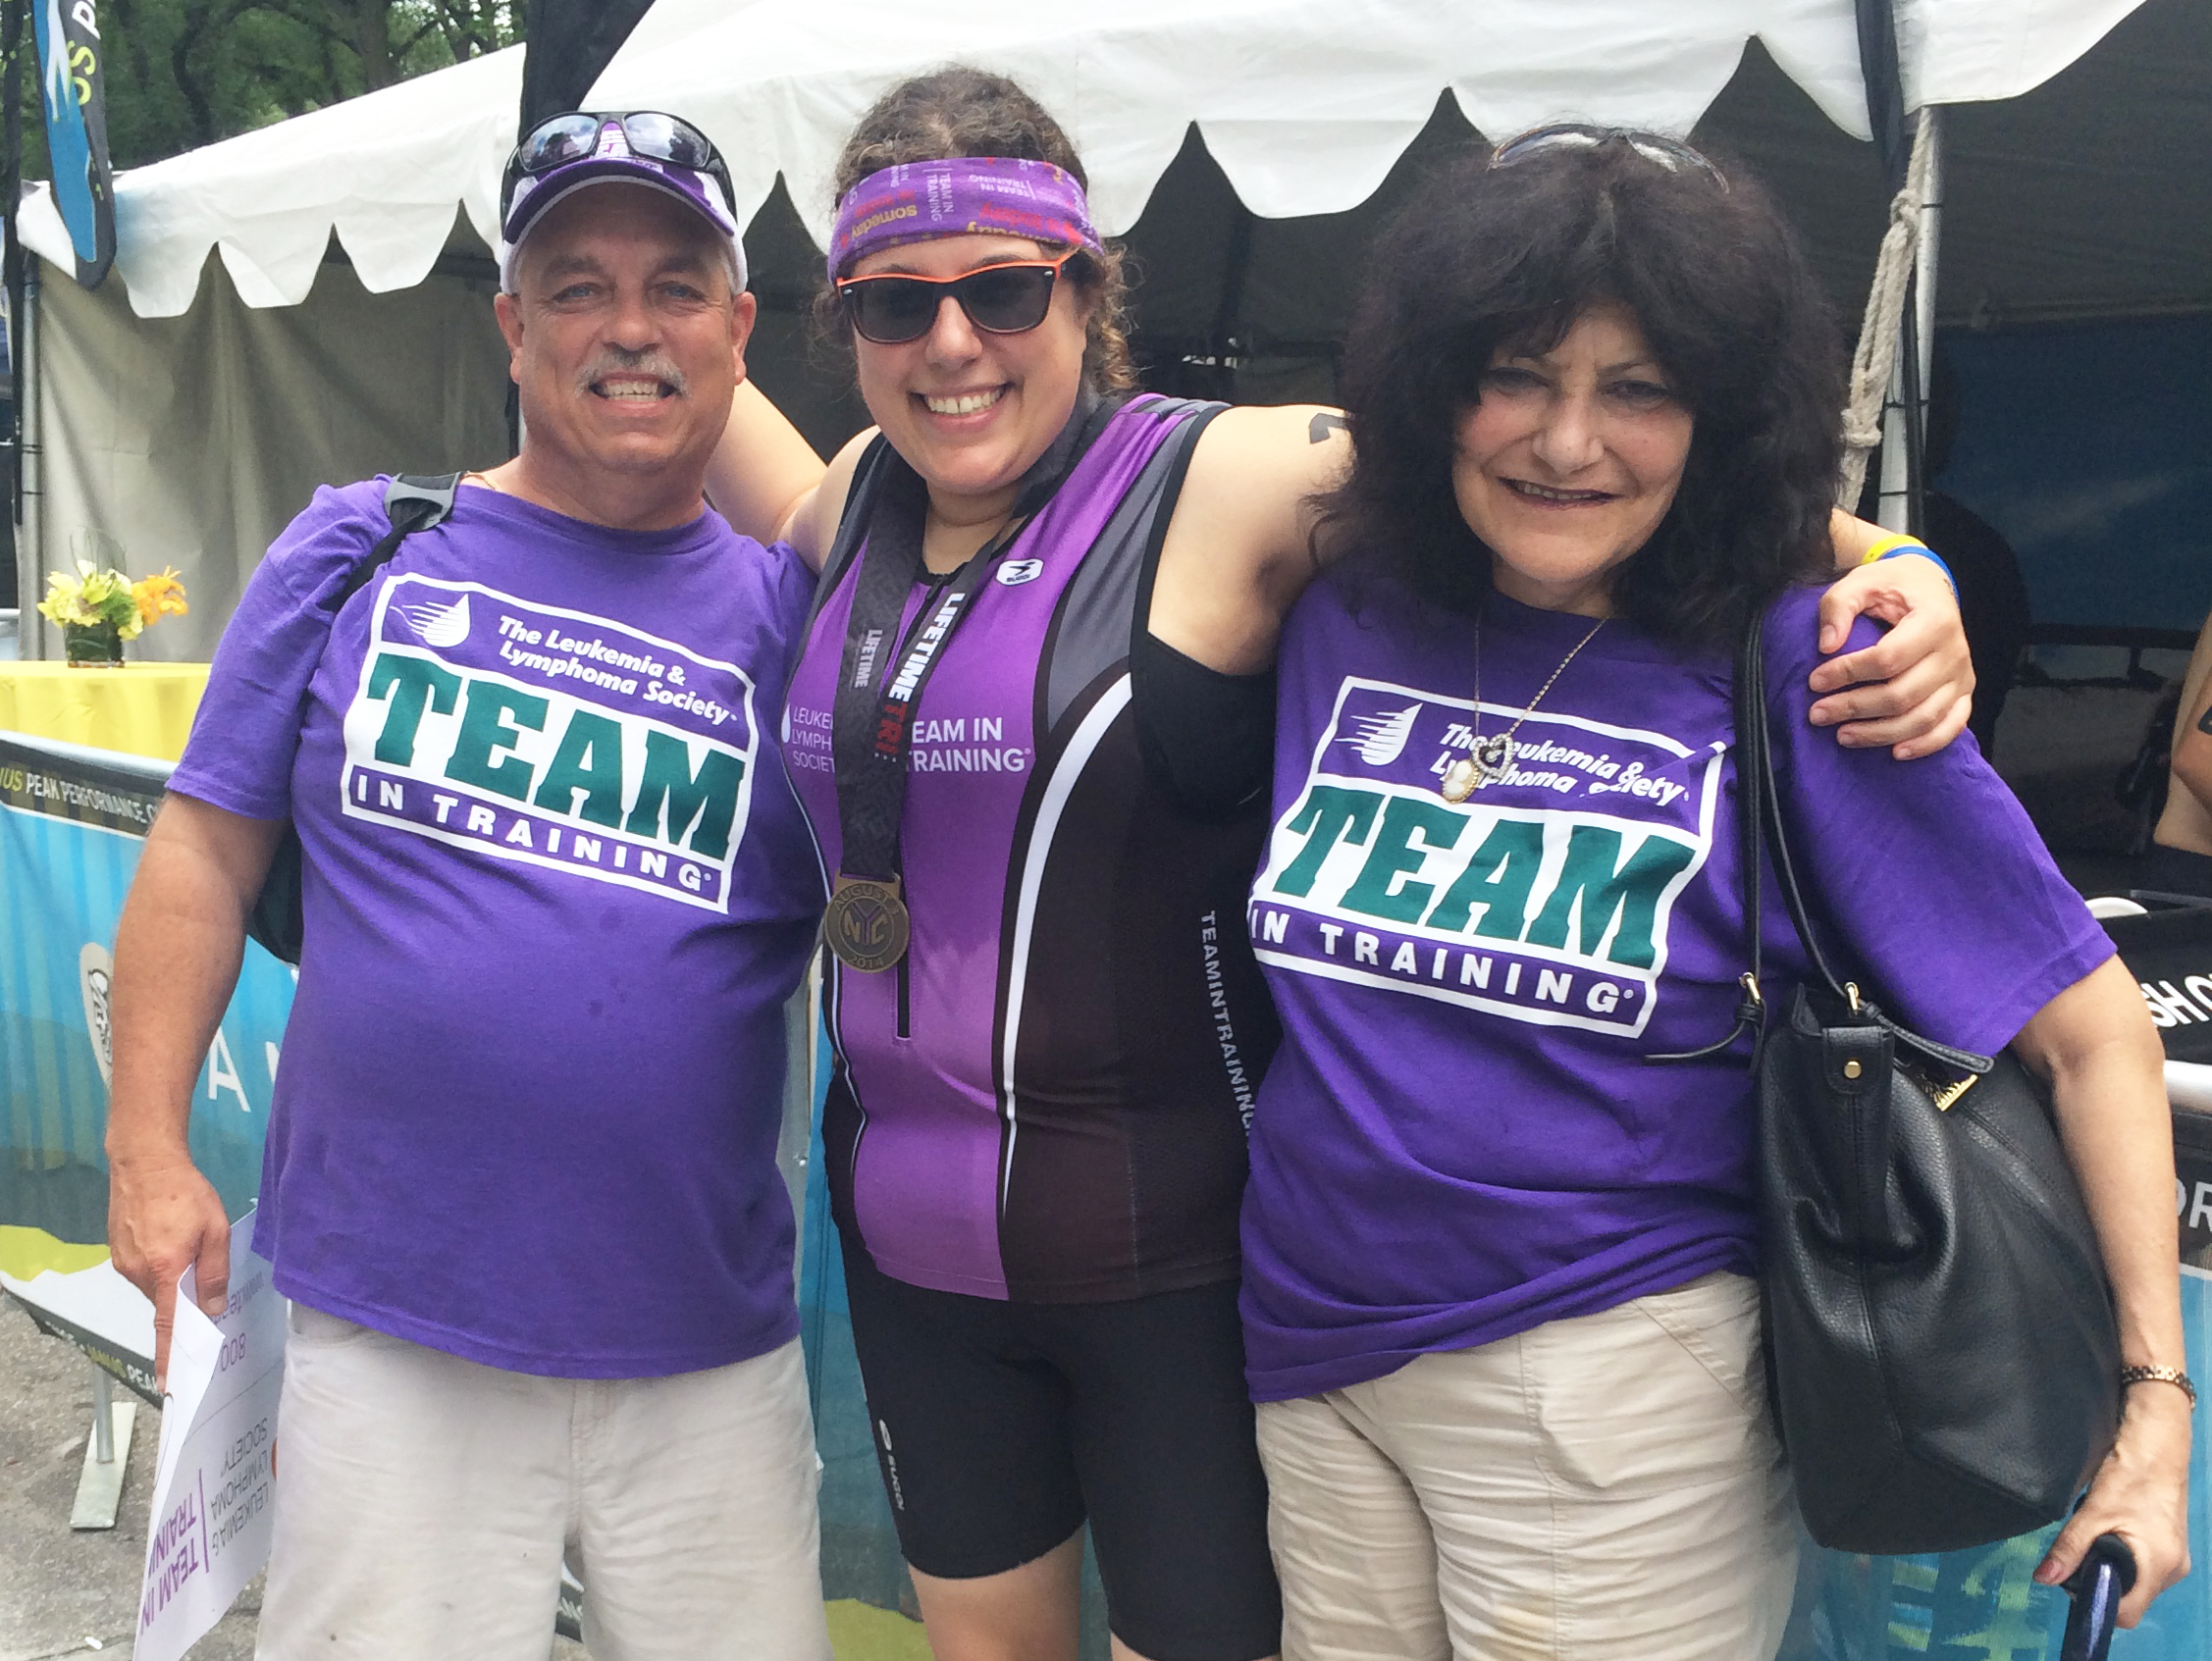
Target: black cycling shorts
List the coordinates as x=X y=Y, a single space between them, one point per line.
x=1001 y=1426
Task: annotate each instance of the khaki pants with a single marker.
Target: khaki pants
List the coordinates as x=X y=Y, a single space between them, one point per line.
x=424 y=1503
x=1602 y=1488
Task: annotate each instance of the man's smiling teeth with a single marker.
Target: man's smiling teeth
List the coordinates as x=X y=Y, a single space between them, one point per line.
x=1540 y=492
x=963 y=403
x=641 y=390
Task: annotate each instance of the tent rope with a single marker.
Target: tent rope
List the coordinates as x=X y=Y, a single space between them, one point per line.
x=1874 y=362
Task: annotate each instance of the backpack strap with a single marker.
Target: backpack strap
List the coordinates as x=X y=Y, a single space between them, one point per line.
x=275 y=918
x=413 y=502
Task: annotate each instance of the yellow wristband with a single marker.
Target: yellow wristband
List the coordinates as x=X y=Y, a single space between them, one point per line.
x=1889 y=545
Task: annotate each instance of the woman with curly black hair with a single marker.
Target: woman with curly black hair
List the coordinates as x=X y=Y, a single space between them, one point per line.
x=1497 y=1302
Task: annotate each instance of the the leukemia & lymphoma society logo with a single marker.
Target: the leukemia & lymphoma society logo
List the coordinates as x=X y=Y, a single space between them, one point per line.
x=551 y=736
x=1543 y=897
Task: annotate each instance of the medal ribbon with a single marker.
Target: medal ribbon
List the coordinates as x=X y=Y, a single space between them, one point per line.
x=878 y=688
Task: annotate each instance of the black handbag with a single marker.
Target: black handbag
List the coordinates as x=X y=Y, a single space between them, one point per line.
x=1941 y=1341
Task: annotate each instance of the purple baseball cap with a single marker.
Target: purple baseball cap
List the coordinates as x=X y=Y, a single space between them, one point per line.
x=572 y=152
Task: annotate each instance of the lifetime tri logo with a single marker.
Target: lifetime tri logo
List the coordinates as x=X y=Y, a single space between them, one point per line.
x=553 y=738
x=1543 y=897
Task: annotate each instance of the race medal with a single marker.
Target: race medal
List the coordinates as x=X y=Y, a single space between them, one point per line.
x=865 y=924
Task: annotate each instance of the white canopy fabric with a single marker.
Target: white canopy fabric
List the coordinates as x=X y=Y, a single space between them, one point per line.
x=385 y=172
x=1305 y=105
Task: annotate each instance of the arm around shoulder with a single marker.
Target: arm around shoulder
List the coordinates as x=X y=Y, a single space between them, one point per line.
x=1913 y=690
x=763 y=475
x=1240 y=544
x=813 y=529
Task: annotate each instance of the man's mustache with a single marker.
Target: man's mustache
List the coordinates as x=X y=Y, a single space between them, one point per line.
x=614 y=361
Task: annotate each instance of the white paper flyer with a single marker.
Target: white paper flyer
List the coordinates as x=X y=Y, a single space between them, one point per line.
x=216 y=1476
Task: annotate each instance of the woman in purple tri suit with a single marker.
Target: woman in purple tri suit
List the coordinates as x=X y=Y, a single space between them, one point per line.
x=1029 y=726
x=1499 y=1310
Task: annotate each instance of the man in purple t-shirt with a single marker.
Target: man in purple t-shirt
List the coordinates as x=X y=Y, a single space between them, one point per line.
x=519 y=1181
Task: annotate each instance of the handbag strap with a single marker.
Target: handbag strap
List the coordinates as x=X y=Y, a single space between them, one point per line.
x=1751 y=765
x=1759 y=821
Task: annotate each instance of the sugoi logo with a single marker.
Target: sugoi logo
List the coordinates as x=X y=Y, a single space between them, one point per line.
x=439 y=625
x=95 y=973
x=1015 y=572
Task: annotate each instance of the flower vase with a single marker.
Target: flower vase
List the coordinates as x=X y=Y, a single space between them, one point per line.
x=92 y=646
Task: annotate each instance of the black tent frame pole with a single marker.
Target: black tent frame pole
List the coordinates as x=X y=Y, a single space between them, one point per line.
x=566 y=44
x=11 y=245
x=1879 y=67
x=1237 y=266
x=12 y=277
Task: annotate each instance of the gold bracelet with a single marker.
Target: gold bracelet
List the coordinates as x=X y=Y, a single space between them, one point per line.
x=2160 y=1376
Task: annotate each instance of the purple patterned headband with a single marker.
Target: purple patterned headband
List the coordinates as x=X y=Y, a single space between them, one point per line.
x=960 y=195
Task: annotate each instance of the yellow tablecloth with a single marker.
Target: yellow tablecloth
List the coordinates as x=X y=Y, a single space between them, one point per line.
x=145 y=708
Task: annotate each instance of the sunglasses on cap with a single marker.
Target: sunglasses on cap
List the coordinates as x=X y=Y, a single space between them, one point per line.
x=894 y=308
x=573 y=137
x=1654 y=147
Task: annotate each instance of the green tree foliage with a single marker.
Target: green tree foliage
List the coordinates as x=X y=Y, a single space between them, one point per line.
x=185 y=72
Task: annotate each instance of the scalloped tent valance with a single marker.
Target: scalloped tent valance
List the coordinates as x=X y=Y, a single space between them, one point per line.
x=1305 y=104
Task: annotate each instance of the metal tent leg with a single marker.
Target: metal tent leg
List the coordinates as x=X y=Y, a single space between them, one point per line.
x=107 y=1455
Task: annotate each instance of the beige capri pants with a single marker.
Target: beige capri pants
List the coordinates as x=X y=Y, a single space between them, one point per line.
x=1602 y=1488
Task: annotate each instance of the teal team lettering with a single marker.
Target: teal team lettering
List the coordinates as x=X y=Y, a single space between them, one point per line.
x=586 y=777
x=1601 y=900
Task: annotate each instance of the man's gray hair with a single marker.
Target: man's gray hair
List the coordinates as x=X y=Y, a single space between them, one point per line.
x=732 y=257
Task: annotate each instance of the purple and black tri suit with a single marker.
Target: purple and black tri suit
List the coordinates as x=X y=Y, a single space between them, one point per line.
x=1046 y=1099
x=1036 y=1125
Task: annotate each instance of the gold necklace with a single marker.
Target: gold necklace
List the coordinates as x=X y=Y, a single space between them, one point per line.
x=1489 y=759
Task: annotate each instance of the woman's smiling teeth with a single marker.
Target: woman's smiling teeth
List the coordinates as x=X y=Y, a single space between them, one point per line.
x=1544 y=493
x=962 y=403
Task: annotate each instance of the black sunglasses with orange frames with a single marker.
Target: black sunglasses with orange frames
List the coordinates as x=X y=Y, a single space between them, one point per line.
x=1010 y=297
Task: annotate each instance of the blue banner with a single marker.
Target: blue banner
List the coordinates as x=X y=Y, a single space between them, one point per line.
x=72 y=89
x=71 y=822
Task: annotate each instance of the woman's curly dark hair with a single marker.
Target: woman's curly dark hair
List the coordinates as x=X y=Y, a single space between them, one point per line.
x=1488 y=258
x=962 y=111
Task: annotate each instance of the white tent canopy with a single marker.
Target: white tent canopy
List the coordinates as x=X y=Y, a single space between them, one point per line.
x=1304 y=104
